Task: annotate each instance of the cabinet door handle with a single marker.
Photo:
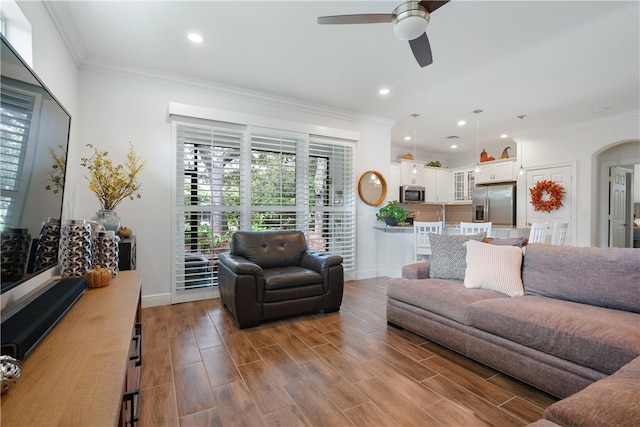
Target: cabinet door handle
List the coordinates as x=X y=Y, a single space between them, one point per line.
x=130 y=397
x=137 y=356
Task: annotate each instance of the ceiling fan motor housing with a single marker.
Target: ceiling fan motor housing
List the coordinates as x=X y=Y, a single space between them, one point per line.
x=410 y=20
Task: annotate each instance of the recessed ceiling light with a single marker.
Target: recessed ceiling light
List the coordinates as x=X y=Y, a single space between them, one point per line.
x=504 y=135
x=461 y=123
x=384 y=91
x=196 y=38
x=407 y=138
x=454 y=146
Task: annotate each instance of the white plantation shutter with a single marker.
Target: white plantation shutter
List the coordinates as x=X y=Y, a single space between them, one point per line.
x=16 y=113
x=207 y=205
x=278 y=194
x=332 y=201
x=231 y=177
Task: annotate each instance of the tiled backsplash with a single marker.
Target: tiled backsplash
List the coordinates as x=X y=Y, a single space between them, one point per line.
x=453 y=214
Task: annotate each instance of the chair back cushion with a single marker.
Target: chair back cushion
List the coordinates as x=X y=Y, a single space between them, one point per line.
x=270 y=249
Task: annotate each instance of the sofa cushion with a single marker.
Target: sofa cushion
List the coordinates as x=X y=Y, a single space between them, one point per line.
x=612 y=401
x=605 y=277
x=448 y=255
x=520 y=242
x=448 y=298
x=599 y=338
x=494 y=267
x=289 y=277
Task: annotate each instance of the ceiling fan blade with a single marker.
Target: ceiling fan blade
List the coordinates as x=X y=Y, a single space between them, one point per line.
x=433 y=5
x=421 y=50
x=371 y=18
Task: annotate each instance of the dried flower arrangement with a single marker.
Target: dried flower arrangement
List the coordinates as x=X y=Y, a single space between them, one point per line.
x=113 y=183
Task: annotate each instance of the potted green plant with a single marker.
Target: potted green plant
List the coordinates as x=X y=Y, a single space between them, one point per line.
x=392 y=213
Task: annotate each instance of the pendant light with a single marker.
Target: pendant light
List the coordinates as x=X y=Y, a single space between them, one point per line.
x=521 y=153
x=415 y=169
x=477 y=168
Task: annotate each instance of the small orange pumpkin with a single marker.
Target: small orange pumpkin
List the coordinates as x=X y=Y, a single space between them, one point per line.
x=98 y=278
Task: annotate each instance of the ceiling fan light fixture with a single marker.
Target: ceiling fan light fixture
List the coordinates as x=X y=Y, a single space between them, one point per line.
x=410 y=20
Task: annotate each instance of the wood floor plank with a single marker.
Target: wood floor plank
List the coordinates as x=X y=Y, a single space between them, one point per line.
x=206 y=335
x=475 y=384
x=236 y=407
x=481 y=408
x=367 y=415
x=344 y=364
x=350 y=345
x=450 y=414
x=317 y=408
x=409 y=349
x=156 y=369
x=522 y=390
x=523 y=409
x=342 y=392
x=193 y=392
x=208 y=417
x=219 y=366
x=290 y=416
x=307 y=333
x=407 y=365
x=478 y=369
x=240 y=348
x=401 y=383
x=184 y=349
x=158 y=407
x=285 y=369
x=264 y=386
x=295 y=347
x=396 y=406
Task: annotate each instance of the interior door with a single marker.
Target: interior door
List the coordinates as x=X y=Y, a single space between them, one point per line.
x=560 y=175
x=618 y=207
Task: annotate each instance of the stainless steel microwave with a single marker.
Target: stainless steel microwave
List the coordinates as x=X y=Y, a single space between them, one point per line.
x=412 y=194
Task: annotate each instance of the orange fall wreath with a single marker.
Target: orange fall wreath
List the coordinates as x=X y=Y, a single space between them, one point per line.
x=556 y=194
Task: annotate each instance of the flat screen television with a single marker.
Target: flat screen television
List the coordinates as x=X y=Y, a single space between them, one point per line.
x=34 y=134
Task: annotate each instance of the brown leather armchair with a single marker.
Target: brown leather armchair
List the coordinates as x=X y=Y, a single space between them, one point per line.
x=271 y=274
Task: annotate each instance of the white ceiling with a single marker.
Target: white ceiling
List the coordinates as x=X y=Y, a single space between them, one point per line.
x=562 y=63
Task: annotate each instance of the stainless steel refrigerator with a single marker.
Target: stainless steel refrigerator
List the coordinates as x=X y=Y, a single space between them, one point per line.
x=496 y=204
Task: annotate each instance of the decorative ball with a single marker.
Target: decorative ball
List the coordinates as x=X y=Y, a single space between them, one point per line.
x=10 y=372
x=125 y=232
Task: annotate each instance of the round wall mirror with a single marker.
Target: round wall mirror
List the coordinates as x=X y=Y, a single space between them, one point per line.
x=372 y=188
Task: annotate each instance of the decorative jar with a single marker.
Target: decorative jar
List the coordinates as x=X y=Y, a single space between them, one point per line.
x=109 y=220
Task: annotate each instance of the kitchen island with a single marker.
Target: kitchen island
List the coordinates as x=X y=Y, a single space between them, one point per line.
x=396 y=245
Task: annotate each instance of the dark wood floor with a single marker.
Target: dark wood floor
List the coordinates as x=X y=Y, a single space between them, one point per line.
x=341 y=369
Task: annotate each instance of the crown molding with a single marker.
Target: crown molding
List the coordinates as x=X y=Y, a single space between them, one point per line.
x=233 y=92
x=61 y=17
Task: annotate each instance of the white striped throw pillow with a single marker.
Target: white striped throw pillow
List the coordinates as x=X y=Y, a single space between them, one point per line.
x=494 y=267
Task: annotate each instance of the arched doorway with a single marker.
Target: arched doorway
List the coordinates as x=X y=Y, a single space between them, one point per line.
x=618 y=192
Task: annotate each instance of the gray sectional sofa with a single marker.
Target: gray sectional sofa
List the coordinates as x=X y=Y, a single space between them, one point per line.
x=575 y=327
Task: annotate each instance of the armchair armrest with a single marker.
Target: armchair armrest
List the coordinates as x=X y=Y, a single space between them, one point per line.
x=240 y=265
x=319 y=261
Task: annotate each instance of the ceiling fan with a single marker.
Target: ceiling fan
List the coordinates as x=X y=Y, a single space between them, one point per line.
x=409 y=21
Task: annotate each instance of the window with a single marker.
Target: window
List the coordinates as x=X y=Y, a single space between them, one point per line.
x=236 y=177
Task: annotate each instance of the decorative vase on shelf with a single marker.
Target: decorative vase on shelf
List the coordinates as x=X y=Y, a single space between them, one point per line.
x=392 y=222
x=109 y=219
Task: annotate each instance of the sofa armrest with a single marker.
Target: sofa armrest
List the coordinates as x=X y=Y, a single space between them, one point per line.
x=240 y=265
x=417 y=270
x=319 y=261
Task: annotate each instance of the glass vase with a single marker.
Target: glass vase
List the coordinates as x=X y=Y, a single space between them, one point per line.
x=109 y=220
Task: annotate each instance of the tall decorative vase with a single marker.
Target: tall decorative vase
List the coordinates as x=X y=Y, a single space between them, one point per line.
x=109 y=220
x=75 y=248
x=106 y=251
x=47 y=248
x=16 y=243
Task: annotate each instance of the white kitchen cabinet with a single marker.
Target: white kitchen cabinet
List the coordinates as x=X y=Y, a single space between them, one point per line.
x=463 y=180
x=407 y=177
x=496 y=171
x=438 y=185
